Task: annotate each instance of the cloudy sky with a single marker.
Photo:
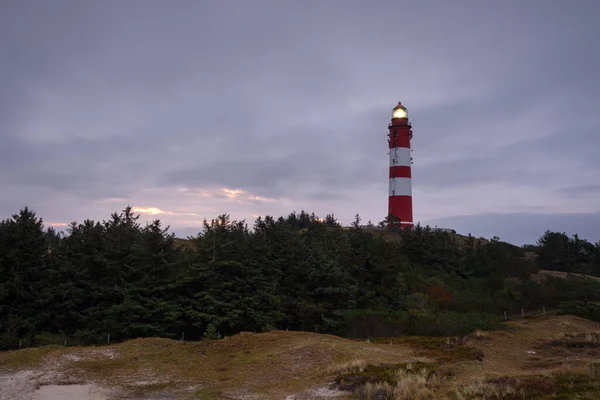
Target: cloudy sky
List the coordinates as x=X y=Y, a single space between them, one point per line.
x=189 y=109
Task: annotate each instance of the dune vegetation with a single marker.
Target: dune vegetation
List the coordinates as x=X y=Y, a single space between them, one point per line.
x=545 y=357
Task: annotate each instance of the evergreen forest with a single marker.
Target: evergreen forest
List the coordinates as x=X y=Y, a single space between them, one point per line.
x=125 y=279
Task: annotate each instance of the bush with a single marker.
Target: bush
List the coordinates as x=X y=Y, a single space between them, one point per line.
x=583 y=309
x=452 y=323
x=211 y=333
x=8 y=342
x=595 y=369
x=369 y=323
x=45 y=339
x=366 y=323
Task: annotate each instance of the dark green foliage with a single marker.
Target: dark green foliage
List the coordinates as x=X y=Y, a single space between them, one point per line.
x=588 y=310
x=373 y=323
x=452 y=323
x=556 y=251
x=299 y=272
x=210 y=333
x=24 y=273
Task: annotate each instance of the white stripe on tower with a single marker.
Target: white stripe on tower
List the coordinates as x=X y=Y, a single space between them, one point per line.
x=400 y=156
x=400 y=187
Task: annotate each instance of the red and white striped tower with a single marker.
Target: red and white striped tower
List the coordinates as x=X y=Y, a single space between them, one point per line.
x=400 y=197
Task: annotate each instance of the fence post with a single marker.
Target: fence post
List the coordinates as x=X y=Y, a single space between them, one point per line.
x=108 y=339
x=65 y=342
x=505 y=318
x=19 y=343
x=522 y=313
x=182 y=336
x=544 y=310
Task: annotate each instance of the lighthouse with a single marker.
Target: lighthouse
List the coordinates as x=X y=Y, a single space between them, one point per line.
x=400 y=196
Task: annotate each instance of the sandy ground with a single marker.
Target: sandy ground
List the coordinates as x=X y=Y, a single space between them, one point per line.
x=24 y=385
x=18 y=385
x=70 y=392
x=27 y=385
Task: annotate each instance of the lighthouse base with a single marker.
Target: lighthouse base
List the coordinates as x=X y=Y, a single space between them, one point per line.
x=392 y=226
x=400 y=211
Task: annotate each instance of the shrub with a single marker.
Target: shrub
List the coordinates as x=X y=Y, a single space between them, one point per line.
x=451 y=323
x=368 y=323
x=583 y=309
x=595 y=369
x=211 y=333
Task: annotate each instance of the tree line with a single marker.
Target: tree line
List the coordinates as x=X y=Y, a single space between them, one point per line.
x=298 y=272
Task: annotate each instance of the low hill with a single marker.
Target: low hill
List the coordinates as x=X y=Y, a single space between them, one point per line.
x=542 y=275
x=554 y=353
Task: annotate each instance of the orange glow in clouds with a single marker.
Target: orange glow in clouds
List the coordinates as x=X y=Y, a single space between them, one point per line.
x=233 y=193
x=158 y=211
x=243 y=195
x=151 y=211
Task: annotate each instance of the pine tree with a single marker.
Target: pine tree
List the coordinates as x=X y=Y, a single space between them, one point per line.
x=24 y=250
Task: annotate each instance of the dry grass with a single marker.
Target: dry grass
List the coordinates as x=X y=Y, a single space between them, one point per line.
x=542 y=275
x=487 y=390
x=409 y=384
x=417 y=385
x=524 y=349
x=549 y=357
x=26 y=358
x=442 y=349
x=481 y=335
x=421 y=384
x=351 y=367
x=595 y=370
x=578 y=340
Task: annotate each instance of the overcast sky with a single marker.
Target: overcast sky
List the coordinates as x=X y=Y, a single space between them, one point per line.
x=189 y=109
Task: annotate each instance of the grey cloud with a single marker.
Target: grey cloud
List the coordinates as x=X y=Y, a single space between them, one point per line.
x=86 y=168
x=523 y=228
x=326 y=196
x=581 y=190
x=290 y=100
x=274 y=176
x=285 y=161
x=528 y=162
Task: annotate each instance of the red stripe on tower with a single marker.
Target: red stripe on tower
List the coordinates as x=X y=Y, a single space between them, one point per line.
x=400 y=193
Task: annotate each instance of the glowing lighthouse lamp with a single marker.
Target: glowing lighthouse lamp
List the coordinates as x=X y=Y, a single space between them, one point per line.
x=400 y=190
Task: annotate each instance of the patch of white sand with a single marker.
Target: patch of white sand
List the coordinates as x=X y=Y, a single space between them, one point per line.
x=325 y=392
x=17 y=386
x=25 y=385
x=318 y=393
x=69 y=392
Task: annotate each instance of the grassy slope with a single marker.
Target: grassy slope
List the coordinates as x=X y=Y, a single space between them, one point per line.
x=506 y=352
x=273 y=364
x=554 y=357
x=542 y=275
x=279 y=363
